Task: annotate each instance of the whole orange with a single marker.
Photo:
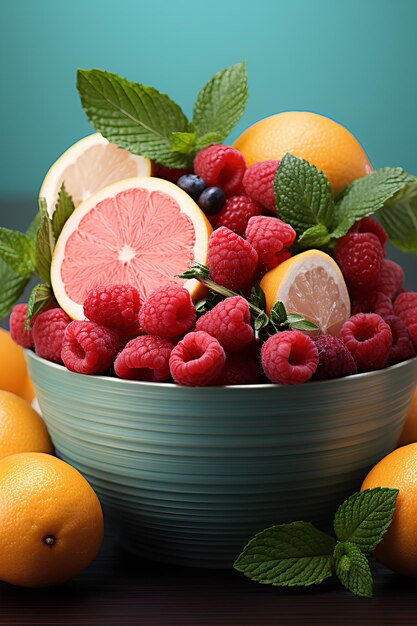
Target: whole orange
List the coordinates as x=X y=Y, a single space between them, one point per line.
x=409 y=433
x=398 y=470
x=13 y=372
x=316 y=138
x=51 y=522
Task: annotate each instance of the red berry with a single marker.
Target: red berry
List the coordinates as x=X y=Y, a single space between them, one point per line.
x=221 y=166
x=402 y=346
x=168 y=312
x=391 y=278
x=368 y=338
x=231 y=259
x=17 y=323
x=168 y=173
x=240 y=369
x=405 y=306
x=271 y=239
x=48 y=334
x=115 y=306
x=145 y=358
x=229 y=323
x=197 y=360
x=359 y=256
x=258 y=182
x=236 y=213
x=335 y=359
x=370 y=225
x=289 y=357
x=374 y=302
x=89 y=348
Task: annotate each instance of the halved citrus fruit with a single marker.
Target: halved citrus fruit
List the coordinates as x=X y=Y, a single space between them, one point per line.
x=89 y=165
x=139 y=231
x=311 y=284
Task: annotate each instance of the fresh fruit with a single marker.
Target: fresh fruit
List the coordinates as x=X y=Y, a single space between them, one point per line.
x=240 y=369
x=402 y=347
x=141 y=232
x=231 y=259
x=258 y=183
x=48 y=334
x=116 y=306
x=370 y=225
x=229 y=322
x=271 y=239
x=236 y=213
x=368 y=338
x=173 y=174
x=359 y=256
x=89 y=165
x=145 y=358
x=212 y=200
x=51 y=522
x=168 y=312
x=398 y=470
x=21 y=428
x=374 y=302
x=89 y=348
x=405 y=306
x=315 y=138
x=335 y=359
x=17 y=323
x=221 y=166
x=409 y=432
x=391 y=278
x=14 y=376
x=192 y=184
x=289 y=357
x=312 y=285
x=197 y=360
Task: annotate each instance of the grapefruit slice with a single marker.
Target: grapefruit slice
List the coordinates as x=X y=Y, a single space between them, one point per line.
x=311 y=284
x=89 y=165
x=139 y=231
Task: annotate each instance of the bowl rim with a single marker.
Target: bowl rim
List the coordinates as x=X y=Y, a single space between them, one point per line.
x=212 y=389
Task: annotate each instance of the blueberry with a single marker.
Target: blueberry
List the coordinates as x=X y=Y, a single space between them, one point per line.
x=192 y=184
x=212 y=200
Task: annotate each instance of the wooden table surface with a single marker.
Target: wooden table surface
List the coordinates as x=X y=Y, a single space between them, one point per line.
x=120 y=589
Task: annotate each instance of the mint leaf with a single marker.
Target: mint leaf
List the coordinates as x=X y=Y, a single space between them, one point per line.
x=364 y=518
x=352 y=569
x=207 y=140
x=32 y=231
x=18 y=251
x=314 y=237
x=399 y=218
x=64 y=207
x=288 y=555
x=40 y=297
x=185 y=143
x=221 y=102
x=303 y=195
x=45 y=244
x=12 y=287
x=365 y=196
x=257 y=296
x=278 y=313
x=304 y=325
x=133 y=116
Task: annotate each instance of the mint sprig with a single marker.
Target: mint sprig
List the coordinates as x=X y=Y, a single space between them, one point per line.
x=399 y=218
x=40 y=297
x=298 y=554
x=17 y=250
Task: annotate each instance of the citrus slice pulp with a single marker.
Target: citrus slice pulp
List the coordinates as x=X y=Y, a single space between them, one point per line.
x=139 y=231
x=312 y=285
x=89 y=165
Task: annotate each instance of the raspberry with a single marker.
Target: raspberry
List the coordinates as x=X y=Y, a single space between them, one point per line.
x=359 y=256
x=258 y=182
x=289 y=357
x=17 y=323
x=240 y=369
x=168 y=312
x=221 y=166
x=229 y=323
x=89 y=348
x=402 y=346
x=197 y=360
x=115 y=306
x=370 y=225
x=48 y=334
x=168 y=173
x=145 y=358
x=368 y=338
x=271 y=239
x=375 y=302
x=405 y=306
x=231 y=259
x=391 y=278
x=335 y=359
x=236 y=213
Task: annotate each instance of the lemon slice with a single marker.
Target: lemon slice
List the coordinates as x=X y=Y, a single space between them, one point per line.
x=311 y=284
x=89 y=165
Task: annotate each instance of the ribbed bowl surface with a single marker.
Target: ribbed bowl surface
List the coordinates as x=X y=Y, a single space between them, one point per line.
x=189 y=475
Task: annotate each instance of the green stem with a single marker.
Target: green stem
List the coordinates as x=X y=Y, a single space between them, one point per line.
x=223 y=291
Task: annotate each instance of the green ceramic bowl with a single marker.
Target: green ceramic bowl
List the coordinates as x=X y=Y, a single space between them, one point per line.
x=189 y=475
